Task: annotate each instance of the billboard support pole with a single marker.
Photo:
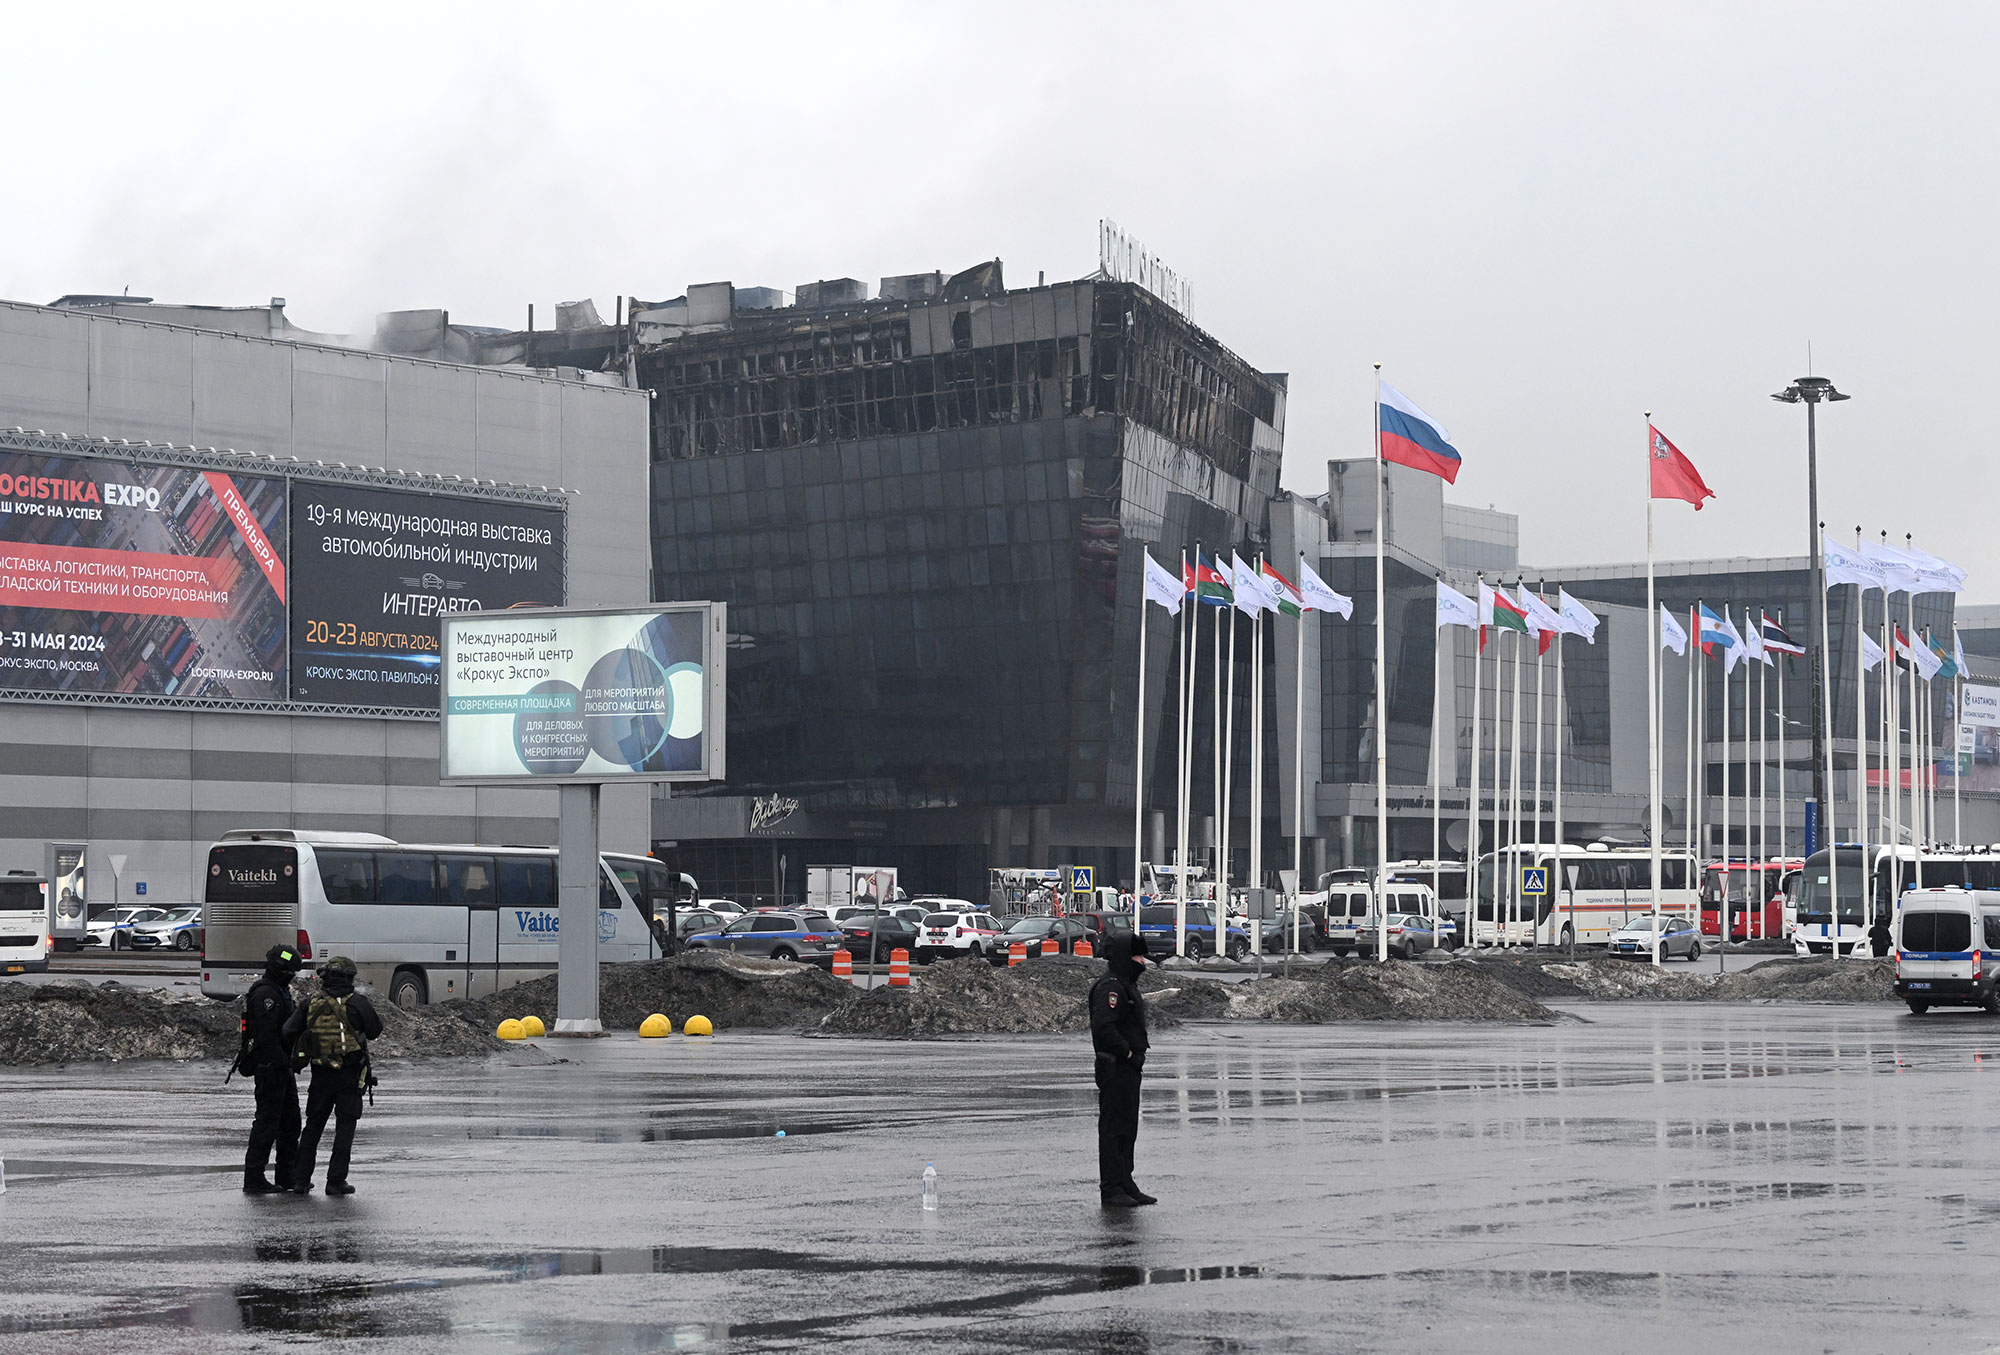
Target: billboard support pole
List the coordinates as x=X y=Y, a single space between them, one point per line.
x=576 y=893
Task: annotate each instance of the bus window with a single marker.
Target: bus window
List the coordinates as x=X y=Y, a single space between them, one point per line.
x=405 y=877
x=347 y=877
x=1673 y=872
x=468 y=880
x=607 y=893
x=526 y=882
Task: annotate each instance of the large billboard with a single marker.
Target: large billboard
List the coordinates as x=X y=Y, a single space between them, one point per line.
x=583 y=696
x=375 y=569
x=132 y=578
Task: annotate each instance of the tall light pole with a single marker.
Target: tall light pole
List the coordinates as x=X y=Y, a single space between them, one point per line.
x=1810 y=391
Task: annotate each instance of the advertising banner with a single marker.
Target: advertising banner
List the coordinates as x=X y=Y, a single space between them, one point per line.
x=583 y=696
x=137 y=578
x=375 y=569
x=68 y=900
x=1982 y=706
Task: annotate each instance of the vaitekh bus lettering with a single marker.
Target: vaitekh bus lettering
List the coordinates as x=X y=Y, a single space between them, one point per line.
x=140 y=579
x=378 y=570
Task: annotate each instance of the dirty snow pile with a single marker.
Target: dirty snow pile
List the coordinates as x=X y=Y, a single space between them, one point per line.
x=72 y=1020
x=736 y=992
x=1601 y=979
x=1048 y=996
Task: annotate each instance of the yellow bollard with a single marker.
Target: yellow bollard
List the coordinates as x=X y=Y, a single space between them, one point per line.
x=531 y=1026
x=697 y=1025
x=510 y=1029
x=656 y=1027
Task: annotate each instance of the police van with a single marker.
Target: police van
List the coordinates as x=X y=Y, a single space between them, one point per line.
x=1948 y=949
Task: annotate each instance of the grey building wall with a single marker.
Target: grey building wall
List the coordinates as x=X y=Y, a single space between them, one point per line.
x=158 y=785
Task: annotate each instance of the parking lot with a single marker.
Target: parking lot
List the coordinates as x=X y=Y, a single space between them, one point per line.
x=1656 y=1178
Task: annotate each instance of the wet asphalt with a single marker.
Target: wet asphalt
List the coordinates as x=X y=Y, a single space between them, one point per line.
x=1654 y=1179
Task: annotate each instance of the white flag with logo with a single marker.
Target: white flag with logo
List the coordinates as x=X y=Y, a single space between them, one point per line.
x=1455 y=608
x=1162 y=587
x=1318 y=596
x=1673 y=635
x=1871 y=654
x=1580 y=620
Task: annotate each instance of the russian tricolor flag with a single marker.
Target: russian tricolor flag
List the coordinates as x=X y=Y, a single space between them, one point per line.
x=1413 y=438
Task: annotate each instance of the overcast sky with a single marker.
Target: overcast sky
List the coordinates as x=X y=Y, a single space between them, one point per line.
x=1542 y=219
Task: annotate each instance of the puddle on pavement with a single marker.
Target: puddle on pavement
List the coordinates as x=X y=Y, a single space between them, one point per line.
x=358 y=1307
x=585 y=1133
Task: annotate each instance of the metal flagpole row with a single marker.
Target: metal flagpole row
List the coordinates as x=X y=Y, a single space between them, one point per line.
x=1514 y=800
x=1184 y=738
x=1652 y=708
x=1562 y=878
x=1826 y=819
x=1862 y=834
x=1253 y=878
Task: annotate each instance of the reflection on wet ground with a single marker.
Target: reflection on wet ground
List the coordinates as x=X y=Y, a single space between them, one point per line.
x=1660 y=1178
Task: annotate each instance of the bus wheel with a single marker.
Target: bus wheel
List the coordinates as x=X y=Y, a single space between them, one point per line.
x=1568 y=936
x=408 y=990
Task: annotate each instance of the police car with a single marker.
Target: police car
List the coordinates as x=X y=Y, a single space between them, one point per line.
x=1158 y=925
x=776 y=935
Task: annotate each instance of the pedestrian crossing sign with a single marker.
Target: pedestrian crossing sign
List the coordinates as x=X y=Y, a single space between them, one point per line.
x=1534 y=879
x=1082 y=879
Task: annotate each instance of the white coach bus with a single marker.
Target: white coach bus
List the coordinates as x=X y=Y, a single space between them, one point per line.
x=25 y=941
x=422 y=922
x=1591 y=892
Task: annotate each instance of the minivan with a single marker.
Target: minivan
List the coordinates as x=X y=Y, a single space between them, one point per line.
x=1948 y=949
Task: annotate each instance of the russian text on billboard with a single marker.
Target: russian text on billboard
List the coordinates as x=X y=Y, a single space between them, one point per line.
x=375 y=570
x=141 y=579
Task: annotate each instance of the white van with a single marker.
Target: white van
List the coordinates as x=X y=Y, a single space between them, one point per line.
x=1948 y=948
x=1348 y=913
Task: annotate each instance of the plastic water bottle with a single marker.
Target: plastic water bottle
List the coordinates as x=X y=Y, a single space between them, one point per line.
x=930 y=1185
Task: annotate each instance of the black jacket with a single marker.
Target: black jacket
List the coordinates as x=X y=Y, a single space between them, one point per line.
x=359 y=1009
x=266 y=1008
x=1117 y=1012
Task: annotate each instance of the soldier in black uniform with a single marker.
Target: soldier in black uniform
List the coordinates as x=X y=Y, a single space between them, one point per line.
x=331 y=1030
x=266 y=1058
x=1118 y=1034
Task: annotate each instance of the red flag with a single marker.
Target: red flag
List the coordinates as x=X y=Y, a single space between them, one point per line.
x=1674 y=476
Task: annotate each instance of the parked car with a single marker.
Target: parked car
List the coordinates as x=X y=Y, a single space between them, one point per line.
x=1276 y=937
x=114 y=930
x=1158 y=923
x=688 y=923
x=777 y=936
x=939 y=903
x=948 y=934
x=180 y=929
x=1034 y=933
x=1101 y=925
x=727 y=907
x=878 y=933
x=1410 y=935
x=1677 y=937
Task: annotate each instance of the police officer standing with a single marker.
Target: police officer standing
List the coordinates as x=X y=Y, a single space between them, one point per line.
x=331 y=1032
x=266 y=1057
x=1118 y=1035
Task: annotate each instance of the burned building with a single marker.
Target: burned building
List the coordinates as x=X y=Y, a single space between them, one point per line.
x=926 y=512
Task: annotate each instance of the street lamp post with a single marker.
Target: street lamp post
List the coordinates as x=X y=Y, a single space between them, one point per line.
x=1810 y=391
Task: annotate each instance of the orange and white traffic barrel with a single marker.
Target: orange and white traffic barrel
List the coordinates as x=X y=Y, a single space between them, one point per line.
x=1016 y=953
x=899 y=968
x=843 y=965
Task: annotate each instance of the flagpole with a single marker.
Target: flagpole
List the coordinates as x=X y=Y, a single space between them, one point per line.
x=1215 y=738
x=1139 y=751
x=1472 y=795
x=1499 y=800
x=1917 y=827
x=1514 y=797
x=1701 y=738
x=1784 y=766
x=1892 y=751
x=1253 y=878
x=1861 y=749
x=1763 y=779
x=1224 y=900
x=1536 y=931
x=1562 y=720
x=1722 y=909
x=1652 y=704
x=1381 y=691
x=1182 y=736
x=1957 y=724
x=1826 y=725
x=1687 y=766
x=1437 y=755
x=1299 y=773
